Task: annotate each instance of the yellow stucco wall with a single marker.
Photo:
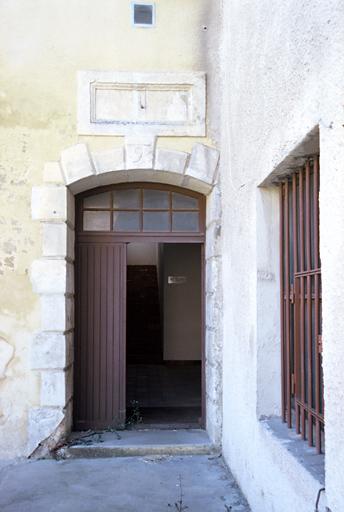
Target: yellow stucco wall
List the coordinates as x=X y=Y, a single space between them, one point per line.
x=43 y=44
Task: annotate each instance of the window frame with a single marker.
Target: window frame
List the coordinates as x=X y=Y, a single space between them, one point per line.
x=172 y=236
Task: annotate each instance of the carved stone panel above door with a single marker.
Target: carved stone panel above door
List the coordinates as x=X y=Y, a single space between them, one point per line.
x=120 y=103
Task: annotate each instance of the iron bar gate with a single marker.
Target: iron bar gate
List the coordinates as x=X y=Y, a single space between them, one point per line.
x=300 y=267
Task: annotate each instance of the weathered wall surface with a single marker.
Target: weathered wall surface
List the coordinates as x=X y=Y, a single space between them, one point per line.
x=283 y=64
x=43 y=45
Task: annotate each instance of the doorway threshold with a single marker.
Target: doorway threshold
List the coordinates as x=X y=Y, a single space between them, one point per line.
x=126 y=443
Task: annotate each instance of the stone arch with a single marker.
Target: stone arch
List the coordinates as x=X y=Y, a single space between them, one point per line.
x=52 y=274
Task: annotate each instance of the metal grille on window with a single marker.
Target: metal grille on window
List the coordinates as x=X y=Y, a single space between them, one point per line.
x=302 y=378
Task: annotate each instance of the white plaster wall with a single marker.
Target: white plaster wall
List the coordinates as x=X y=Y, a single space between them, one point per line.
x=283 y=75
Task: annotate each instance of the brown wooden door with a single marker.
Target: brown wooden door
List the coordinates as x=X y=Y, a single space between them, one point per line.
x=99 y=382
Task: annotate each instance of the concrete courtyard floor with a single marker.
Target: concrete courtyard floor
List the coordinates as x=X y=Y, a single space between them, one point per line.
x=120 y=484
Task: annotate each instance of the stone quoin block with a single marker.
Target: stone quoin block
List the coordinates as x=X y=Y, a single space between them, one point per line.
x=49 y=276
x=54 y=239
x=51 y=350
x=203 y=163
x=53 y=388
x=168 y=160
x=49 y=203
x=76 y=163
x=110 y=160
x=57 y=312
x=42 y=422
x=139 y=152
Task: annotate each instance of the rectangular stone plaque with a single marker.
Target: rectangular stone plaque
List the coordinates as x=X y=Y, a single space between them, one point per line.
x=141 y=103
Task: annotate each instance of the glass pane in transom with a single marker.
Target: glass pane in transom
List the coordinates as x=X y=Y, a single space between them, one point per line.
x=156 y=221
x=126 y=199
x=96 y=221
x=185 y=221
x=183 y=202
x=126 y=221
x=98 y=201
x=155 y=199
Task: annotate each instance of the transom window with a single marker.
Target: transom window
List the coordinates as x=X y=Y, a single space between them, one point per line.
x=142 y=209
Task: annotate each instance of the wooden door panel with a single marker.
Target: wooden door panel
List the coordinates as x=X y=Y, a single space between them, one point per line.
x=99 y=363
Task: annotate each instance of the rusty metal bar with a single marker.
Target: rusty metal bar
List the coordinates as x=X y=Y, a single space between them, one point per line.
x=287 y=305
x=317 y=299
x=309 y=303
x=308 y=272
x=311 y=411
x=296 y=378
x=302 y=304
x=282 y=302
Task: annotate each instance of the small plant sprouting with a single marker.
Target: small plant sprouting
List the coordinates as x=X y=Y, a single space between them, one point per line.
x=134 y=418
x=179 y=505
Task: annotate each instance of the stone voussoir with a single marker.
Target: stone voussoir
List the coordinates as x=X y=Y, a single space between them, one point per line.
x=76 y=163
x=109 y=160
x=171 y=161
x=139 y=152
x=203 y=163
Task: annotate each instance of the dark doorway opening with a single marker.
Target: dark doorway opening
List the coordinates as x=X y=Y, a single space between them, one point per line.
x=164 y=335
x=141 y=357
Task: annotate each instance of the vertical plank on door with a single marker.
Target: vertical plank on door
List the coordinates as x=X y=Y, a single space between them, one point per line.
x=99 y=387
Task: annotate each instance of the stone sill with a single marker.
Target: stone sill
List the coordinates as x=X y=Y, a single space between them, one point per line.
x=306 y=456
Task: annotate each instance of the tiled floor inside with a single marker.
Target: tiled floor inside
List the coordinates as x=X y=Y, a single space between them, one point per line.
x=165 y=393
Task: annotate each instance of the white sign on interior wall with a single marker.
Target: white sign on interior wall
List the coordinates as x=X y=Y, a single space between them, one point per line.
x=120 y=103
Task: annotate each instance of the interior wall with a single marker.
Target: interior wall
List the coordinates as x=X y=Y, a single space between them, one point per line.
x=182 y=302
x=142 y=253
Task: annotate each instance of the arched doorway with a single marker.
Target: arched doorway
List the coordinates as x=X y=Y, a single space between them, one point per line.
x=139 y=335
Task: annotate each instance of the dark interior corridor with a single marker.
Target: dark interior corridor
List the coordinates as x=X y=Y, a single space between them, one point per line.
x=162 y=388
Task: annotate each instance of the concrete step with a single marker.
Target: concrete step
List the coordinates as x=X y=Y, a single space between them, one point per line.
x=138 y=443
